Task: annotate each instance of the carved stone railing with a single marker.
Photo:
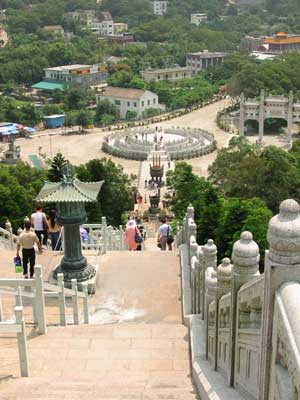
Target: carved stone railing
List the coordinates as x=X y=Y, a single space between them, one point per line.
x=249 y=309
x=285 y=365
x=223 y=334
x=104 y=238
x=251 y=322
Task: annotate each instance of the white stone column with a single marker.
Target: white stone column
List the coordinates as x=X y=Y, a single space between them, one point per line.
x=245 y=257
x=290 y=118
x=210 y=282
x=261 y=118
x=281 y=265
x=242 y=114
x=224 y=279
x=209 y=260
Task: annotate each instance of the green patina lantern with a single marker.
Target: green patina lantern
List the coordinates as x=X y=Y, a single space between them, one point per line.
x=70 y=196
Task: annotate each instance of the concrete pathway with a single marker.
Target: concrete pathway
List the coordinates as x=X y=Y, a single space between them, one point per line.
x=135 y=348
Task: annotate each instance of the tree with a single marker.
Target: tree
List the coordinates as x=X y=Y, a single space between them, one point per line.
x=57 y=168
x=84 y=118
x=19 y=185
x=131 y=115
x=106 y=112
x=115 y=197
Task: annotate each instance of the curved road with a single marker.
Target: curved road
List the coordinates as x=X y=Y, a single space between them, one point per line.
x=81 y=148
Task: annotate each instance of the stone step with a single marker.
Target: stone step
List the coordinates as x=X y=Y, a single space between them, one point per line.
x=34 y=388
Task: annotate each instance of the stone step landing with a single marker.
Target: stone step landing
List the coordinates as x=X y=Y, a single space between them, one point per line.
x=120 y=361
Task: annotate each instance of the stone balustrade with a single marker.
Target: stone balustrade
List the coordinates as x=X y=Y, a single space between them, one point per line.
x=251 y=322
x=191 y=143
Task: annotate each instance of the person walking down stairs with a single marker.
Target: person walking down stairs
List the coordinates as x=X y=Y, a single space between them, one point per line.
x=27 y=240
x=165 y=236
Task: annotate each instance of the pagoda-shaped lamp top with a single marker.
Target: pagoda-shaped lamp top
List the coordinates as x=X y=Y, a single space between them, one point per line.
x=69 y=190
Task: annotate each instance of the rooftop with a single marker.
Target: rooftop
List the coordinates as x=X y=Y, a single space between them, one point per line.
x=49 y=85
x=68 y=67
x=52 y=28
x=206 y=53
x=282 y=38
x=123 y=93
x=74 y=191
x=163 y=70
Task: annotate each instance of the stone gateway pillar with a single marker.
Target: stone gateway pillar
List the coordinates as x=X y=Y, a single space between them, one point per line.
x=242 y=114
x=290 y=118
x=261 y=118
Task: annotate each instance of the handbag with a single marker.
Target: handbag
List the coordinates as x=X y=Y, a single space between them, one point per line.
x=170 y=238
x=138 y=238
x=18 y=265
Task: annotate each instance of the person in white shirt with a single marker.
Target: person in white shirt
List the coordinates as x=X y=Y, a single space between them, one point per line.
x=164 y=235
x=40 y=224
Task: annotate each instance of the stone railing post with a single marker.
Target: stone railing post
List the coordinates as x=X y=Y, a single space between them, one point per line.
x=104 y=235
x=200 y=277
x=75 y=302
x=40 y=299
x=245 y=257
x=281 y=266
x=62 y=299
x=194 y=273
x=210 y=281
x=189 y=214
x=209 y=260
x=22 y=344
x=192 y=234
x=224 y=278
x=8 y=227
x=121 y=235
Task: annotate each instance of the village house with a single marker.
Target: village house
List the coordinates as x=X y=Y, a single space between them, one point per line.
x=54 y=29
x=204 y=59
x=160 y=7
x=166 y=74
x=58 y=77
x=134 y=100
x=198 y=19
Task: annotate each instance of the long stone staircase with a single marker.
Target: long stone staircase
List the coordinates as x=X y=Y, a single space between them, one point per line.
x=135 y=347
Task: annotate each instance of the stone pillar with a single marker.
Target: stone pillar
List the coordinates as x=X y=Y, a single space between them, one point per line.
x=73 y=264
x=242 y=114
x=209 y=260
x=192 y=232
x=245 y=257
x=281 y=265
x=224 y=278
x=209 y=282
x=189 y=214
x=290 y=118
x=261 y=118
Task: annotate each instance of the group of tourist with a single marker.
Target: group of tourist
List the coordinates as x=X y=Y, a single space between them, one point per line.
x=36 y=231
x=135 y=235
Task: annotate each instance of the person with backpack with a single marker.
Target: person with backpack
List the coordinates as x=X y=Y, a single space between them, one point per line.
x=165 y=236
x=40 y=225
x=132 y=235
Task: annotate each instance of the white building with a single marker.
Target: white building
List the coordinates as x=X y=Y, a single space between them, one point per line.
x=166 y=74
x=198 y=19
x=160 y=7
x=203 y=60
x=78 y=74
x=135 y=100
x=102 y=28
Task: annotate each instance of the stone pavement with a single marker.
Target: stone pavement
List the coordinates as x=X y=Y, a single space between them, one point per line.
x=135 y=348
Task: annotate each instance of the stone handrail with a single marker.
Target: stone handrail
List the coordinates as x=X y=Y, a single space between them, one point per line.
x=251 y=322
x=104 y=238
x=285 y=368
